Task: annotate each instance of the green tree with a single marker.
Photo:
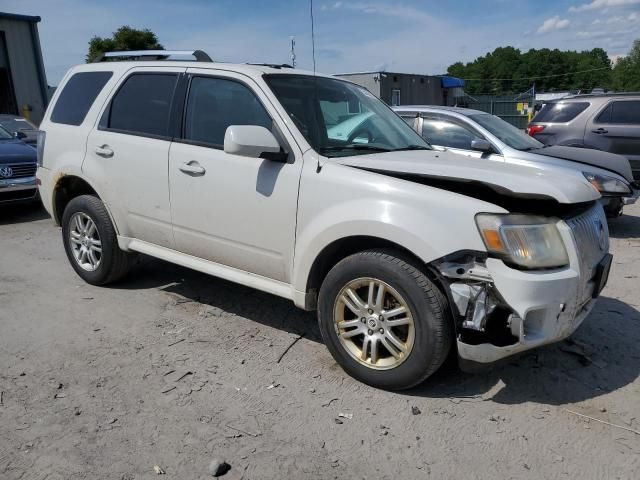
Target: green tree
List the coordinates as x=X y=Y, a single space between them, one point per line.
x=507 y=70
x=626 y=73
x=125 y=38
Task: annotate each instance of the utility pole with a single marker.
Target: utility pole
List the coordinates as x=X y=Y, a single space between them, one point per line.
x=293 y=51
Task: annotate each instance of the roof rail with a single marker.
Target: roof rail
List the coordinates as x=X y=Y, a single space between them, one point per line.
x=198 y=55
x=272 y=65
x=605 y=94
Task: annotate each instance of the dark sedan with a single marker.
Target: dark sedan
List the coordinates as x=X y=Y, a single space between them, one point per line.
x=18 y=163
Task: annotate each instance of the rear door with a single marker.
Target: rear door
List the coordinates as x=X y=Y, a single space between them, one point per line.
x=230 y=209
x=128 y=153
x=616 y=129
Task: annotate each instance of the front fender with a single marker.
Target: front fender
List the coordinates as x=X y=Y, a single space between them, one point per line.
x=339 y=202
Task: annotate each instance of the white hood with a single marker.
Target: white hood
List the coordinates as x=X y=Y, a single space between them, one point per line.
x=562 y=184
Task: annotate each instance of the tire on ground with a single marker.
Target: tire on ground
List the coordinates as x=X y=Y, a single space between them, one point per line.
x=114 y=263
x=429 y=308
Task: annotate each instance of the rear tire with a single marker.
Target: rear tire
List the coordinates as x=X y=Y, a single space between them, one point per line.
x=90 y=242
x=409 y=322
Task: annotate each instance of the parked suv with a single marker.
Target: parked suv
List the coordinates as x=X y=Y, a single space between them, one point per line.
x=487 y=137
x=608 y=122
x=405 y=252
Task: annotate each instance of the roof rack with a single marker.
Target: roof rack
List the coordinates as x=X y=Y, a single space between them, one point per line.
x=605 y=94
x=198 y=55
x=272 y=65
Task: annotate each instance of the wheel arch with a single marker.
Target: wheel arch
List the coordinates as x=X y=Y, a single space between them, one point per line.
x=66 y=188
x=341 y=248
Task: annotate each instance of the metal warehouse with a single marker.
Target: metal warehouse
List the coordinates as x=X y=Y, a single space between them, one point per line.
x=23 y=84
x=409 y=89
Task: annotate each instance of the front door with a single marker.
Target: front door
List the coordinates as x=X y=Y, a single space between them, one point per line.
x=128 y=153
x=230 y=209
x=616 y=129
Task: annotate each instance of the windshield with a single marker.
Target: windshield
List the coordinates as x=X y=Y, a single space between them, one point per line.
x=340 y=119
x=15 y=124
x=506 y=132
x=4 y=135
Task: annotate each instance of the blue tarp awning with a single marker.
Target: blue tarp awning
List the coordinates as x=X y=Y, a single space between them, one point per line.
x=452 y=82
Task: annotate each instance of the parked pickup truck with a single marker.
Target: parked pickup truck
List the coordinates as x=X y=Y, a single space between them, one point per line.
x=405 y=252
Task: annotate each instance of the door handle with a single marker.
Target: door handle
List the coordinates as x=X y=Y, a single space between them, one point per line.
x=600 y=131
x=192 y=168
x=103 y=151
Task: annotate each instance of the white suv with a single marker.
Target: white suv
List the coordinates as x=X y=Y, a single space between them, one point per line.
x=404 y=251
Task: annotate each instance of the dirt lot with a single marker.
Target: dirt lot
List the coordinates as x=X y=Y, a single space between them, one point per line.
x=174 y=368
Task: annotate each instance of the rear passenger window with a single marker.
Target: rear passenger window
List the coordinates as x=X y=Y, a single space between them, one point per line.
x=625 y=112
x=78 y=95
x=214 y=104
x=560 y=112
x=142 y=104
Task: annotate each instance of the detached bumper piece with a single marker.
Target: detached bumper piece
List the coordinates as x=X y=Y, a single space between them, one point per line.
x=502 y=311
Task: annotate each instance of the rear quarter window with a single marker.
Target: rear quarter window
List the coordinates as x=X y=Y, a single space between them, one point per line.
x=77 y=96
x=561 y=112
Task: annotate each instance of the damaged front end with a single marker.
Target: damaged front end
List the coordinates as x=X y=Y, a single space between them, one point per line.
x=481 y=315
x=501 y=308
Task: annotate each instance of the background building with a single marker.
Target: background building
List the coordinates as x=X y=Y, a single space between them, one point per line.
x=23 y=84
x=409 y=89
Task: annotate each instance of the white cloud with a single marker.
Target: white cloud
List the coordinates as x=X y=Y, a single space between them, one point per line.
x=599 y=4
x=397 y=10
x=553 y=23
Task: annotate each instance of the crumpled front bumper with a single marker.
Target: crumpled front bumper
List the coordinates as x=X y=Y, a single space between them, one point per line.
x=547 y=306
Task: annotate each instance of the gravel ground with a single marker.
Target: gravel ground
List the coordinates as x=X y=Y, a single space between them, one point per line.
x=173 y=368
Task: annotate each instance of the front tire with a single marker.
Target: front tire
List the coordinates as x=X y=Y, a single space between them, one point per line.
x=90 y=242
x=383 y=320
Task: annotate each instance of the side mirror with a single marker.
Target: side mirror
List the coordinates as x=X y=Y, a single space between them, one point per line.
x=481 y=144
x=253 y=141
x=19 y=134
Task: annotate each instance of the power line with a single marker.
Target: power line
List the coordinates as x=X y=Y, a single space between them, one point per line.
x=537 y=78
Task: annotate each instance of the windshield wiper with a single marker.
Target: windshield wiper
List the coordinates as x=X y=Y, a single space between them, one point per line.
x=411 y=147
x=355 y=147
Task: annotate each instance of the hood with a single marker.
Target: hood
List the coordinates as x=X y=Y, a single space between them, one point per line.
x=16 y=151
x=588 y=156
x=519 y=181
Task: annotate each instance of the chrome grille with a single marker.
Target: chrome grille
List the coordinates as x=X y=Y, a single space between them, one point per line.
x=591 y=234
x=21 y=170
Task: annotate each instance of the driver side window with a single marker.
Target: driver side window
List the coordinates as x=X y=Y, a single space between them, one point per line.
x=441 y=131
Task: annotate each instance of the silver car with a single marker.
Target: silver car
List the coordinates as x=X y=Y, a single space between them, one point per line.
x=484 y=136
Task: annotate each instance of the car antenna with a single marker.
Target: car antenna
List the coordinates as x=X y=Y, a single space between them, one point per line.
x=313 y=56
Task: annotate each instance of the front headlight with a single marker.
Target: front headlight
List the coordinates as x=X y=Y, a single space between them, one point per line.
x=607 y=185
x=525 y=240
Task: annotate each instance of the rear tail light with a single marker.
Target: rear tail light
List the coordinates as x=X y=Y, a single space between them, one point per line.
x=534 y=129
x=40 y=146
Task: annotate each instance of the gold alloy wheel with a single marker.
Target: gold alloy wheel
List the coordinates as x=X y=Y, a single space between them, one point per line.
x=374 y=323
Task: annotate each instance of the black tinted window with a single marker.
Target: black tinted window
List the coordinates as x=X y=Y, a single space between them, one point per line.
x=142 y=104
x=625 y=112
x=441 y=132
x=78 y=95
x=214 y=104
x=560 y=112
